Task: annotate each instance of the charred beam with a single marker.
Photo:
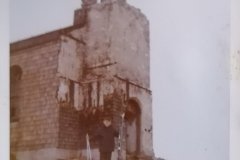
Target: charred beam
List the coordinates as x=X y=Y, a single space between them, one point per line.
x=75 y=39
x=134 y=84
x=101 y=66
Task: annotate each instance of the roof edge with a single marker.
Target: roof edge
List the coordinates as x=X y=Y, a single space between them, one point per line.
x=40 y=39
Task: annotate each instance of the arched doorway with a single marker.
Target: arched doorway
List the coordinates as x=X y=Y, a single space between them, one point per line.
x=15 y=92
x=133 y=127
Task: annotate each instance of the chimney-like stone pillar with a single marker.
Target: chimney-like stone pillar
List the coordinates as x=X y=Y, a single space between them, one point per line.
x=109 y=1
x=124 y=1
x=87 y=3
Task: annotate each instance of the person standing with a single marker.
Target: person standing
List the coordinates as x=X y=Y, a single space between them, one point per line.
x=105 y=135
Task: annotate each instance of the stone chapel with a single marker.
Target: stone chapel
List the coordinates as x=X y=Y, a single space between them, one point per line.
x=61 y=81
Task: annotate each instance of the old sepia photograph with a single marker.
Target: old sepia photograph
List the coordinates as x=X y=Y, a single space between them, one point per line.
x=121 y=80
x=83 y=91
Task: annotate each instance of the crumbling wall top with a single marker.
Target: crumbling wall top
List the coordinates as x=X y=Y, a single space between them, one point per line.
x=89 y=3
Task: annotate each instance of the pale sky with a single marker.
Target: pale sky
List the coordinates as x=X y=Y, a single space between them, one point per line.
x=189 y=68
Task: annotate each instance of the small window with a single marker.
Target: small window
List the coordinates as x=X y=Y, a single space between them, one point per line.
x=15 y=82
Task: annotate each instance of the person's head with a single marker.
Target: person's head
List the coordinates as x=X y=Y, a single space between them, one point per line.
x=107 y=121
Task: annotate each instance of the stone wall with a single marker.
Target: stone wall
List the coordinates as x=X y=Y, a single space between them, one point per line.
x=119 y=33
x=71 y=135
x=144 y=98
x=37 y=126
x=117 y=43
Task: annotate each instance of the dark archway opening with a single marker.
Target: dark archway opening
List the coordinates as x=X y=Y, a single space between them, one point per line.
x=133 y=127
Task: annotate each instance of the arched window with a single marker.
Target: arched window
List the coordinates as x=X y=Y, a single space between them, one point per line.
x=15 y=82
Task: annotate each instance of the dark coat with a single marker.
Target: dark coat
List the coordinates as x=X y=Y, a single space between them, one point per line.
x=105 y=136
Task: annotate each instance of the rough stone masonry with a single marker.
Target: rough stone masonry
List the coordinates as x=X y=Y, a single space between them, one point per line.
x=62 y=82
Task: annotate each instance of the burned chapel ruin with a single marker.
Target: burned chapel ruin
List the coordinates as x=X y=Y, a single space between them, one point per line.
x=62 y=82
